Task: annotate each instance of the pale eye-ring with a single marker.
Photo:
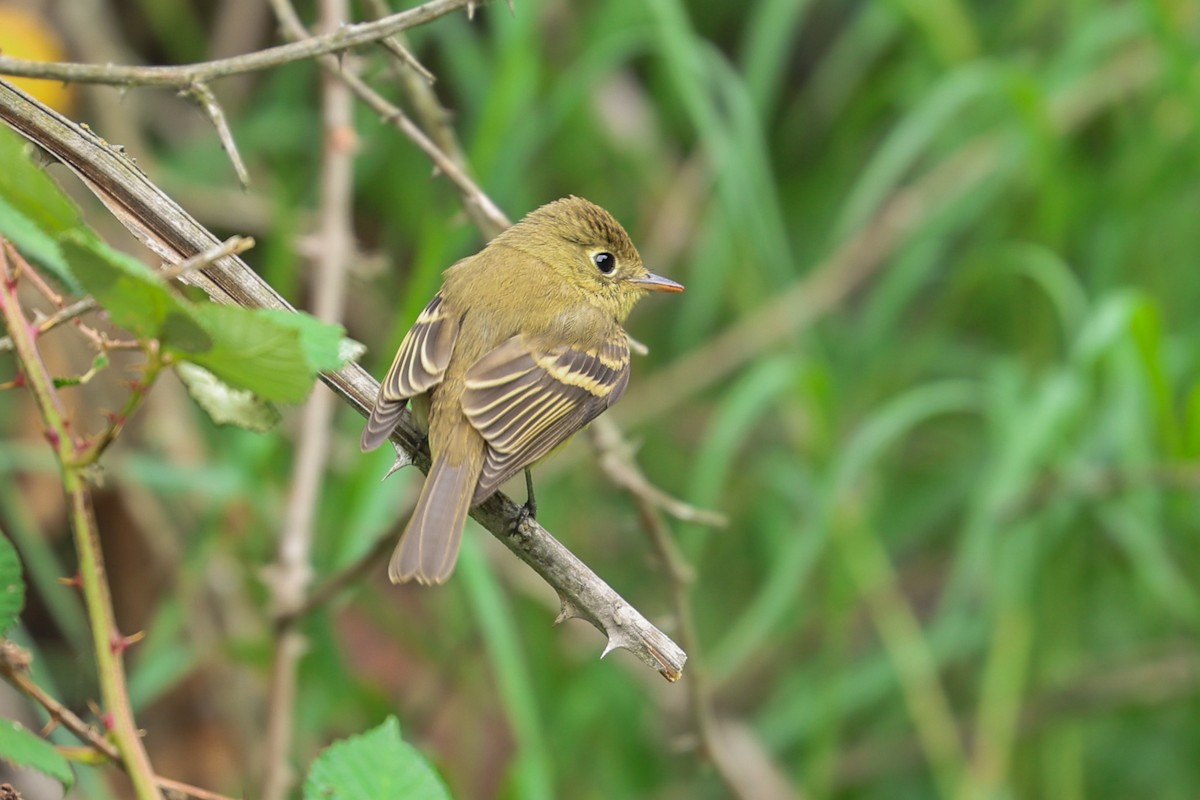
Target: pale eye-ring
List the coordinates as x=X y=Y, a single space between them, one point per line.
x=605 y=262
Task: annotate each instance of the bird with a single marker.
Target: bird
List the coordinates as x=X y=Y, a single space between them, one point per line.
x=521 y=347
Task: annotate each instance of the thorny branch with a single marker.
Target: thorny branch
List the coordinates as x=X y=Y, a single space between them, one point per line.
x=108 y=644
x=14 y=668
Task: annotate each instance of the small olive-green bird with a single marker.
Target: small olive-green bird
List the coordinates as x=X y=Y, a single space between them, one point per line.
x=521 y=348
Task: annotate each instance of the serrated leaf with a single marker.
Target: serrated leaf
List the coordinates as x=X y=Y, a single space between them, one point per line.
x=27 y=187
x=135 y=297
x=376 y=765
x=252 y=349
x=12 y=587
x=24 y=748
x=224 y=404
x=274 y=354
x=35 y=244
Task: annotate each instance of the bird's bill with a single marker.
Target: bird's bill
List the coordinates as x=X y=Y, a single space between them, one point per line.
x=657 y=283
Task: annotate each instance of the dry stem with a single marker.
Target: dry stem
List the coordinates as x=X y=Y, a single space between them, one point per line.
x=293 y=572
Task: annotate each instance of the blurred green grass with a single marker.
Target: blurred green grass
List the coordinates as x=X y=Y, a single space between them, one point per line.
x=962 y=555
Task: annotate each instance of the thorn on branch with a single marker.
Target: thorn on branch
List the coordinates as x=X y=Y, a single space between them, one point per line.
x=14 y=656
x=74 y=581
x=119 y=644
x=566 y=610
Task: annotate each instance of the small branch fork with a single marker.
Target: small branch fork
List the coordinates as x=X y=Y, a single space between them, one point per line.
x=185 y=76
x=14 y=668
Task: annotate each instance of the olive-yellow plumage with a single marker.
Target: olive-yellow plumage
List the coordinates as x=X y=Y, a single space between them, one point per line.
x=522 y=346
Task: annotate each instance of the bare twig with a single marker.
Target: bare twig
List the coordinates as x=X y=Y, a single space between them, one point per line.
x=396 y=48
x=395 y=45
x=180 y=77
x=234 y=245
x=89 y=453
x=616 y=459
x=14 y=667
x=436 y=123
x=335 y=583
x=204 y=97
x=60 y=317
x=95 y=35
x=485 y=212
x=738 y=757
x=231 y=246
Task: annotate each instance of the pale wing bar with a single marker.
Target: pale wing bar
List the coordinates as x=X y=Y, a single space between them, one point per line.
x=525 y=403
x=424 y=354
x=419 y=366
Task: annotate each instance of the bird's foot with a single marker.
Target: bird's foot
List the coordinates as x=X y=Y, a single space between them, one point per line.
x=529 y=510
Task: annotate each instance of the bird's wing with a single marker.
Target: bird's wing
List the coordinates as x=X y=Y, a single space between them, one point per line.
x=419 y=366
x=525 y=400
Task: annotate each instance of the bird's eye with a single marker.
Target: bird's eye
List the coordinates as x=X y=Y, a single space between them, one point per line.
x=605 y=262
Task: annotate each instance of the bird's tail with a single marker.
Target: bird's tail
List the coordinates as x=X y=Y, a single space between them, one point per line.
x=429 y=546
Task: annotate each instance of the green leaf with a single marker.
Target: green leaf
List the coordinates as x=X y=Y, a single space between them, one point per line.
x=135 y=297
x=321 y=341
x=376 y=765
x=224 y=404
x=27 y=187
x=255 y=350
x=275 y=354
x=34 y=243
x=24 y=748
x=12 y=587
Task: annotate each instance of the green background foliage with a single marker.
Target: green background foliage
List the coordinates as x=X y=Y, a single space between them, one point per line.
x=959 y=461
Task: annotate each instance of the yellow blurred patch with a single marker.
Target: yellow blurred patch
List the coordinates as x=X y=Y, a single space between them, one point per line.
x=24 y=34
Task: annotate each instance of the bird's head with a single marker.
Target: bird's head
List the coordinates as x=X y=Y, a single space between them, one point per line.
x=589 y=249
